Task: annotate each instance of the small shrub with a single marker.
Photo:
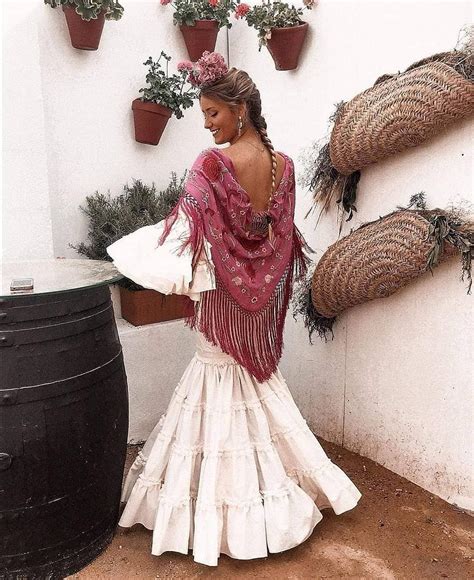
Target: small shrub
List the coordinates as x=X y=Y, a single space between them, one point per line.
x=111 y=218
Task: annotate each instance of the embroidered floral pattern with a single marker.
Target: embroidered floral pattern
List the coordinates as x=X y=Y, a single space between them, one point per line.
x=210 y=166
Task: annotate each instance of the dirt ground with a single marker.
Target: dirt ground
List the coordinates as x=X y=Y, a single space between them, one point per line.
x=398 y=530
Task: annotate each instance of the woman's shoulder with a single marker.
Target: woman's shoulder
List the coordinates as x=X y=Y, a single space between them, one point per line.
x=204 y=156
x=205 y=153
x=285 y=155
x=286 y=158
x=284 y=164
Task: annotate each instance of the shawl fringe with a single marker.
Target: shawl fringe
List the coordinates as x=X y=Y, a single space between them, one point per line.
x=195 y=241
x=253 y=338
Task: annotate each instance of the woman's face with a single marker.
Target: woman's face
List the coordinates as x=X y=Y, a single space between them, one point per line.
x=220 y=120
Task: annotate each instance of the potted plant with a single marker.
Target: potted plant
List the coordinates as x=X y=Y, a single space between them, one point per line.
x=112 y=218
x=279 y=27
x=200 y=21
x=85 y=19
x=164 y=96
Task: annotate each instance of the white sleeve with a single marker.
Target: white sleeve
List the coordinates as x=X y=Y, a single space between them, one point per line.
x=139 y=257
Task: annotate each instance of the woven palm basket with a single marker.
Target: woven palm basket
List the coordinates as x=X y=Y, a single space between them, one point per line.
x=401 y=112
x=398 y=112
x=379 y=258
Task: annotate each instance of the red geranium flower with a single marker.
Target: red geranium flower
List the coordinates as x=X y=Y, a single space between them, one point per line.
x=241 y=10
x=213 y=3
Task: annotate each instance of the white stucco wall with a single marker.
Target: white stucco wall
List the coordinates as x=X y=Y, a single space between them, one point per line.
x=396 y=382
x=26 y=205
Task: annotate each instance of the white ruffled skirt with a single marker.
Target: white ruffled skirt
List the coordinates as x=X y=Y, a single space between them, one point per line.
x=231 y=468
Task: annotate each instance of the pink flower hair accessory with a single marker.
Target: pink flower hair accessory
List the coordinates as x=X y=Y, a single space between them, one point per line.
x=208 y=69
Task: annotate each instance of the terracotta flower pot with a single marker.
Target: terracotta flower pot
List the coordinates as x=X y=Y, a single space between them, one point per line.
x=285 y=45
x=200 y=37
x=84 y=34
x=141 y=307
x=150 y=121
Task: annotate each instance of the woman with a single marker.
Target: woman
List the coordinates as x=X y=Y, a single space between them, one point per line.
x=232 y=466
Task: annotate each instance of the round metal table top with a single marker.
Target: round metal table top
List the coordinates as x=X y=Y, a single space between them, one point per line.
x=54 y=275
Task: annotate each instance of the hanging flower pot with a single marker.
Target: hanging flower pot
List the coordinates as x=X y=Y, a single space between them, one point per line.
x=285 y=45
x=279 y=27
x=85 y=19
x=200 y=22
x=200 y=37
x=85 y=34
x=150 y=121
x=165 y=95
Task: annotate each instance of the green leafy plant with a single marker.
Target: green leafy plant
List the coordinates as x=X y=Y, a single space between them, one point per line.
x=170 y=90
x=263 y=17
x=187 y=11
x=90 y=9
x=111 y=218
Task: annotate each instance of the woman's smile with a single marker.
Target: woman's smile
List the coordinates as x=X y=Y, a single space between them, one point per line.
x=219 y=119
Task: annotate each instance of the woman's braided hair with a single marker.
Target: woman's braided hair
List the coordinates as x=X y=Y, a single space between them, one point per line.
x=234 y=88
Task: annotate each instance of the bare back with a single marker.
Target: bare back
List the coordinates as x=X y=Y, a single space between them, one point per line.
x=254 y=173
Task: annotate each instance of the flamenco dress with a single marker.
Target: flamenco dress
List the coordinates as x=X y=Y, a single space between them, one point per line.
x=231 y=467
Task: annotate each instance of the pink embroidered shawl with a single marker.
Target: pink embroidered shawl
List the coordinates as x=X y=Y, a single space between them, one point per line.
x=246 y=312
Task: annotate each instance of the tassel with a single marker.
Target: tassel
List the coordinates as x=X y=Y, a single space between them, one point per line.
x=271 y=235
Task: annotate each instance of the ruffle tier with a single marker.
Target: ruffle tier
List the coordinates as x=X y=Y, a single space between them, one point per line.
x=232 y=467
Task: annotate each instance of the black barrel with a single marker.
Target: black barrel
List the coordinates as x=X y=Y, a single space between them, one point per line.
x=63 y=431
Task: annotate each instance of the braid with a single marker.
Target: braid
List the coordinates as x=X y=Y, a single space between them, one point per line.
x=262 y=129
x=258 y=121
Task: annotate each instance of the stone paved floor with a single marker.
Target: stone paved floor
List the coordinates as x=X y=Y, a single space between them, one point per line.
x=397 y=531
